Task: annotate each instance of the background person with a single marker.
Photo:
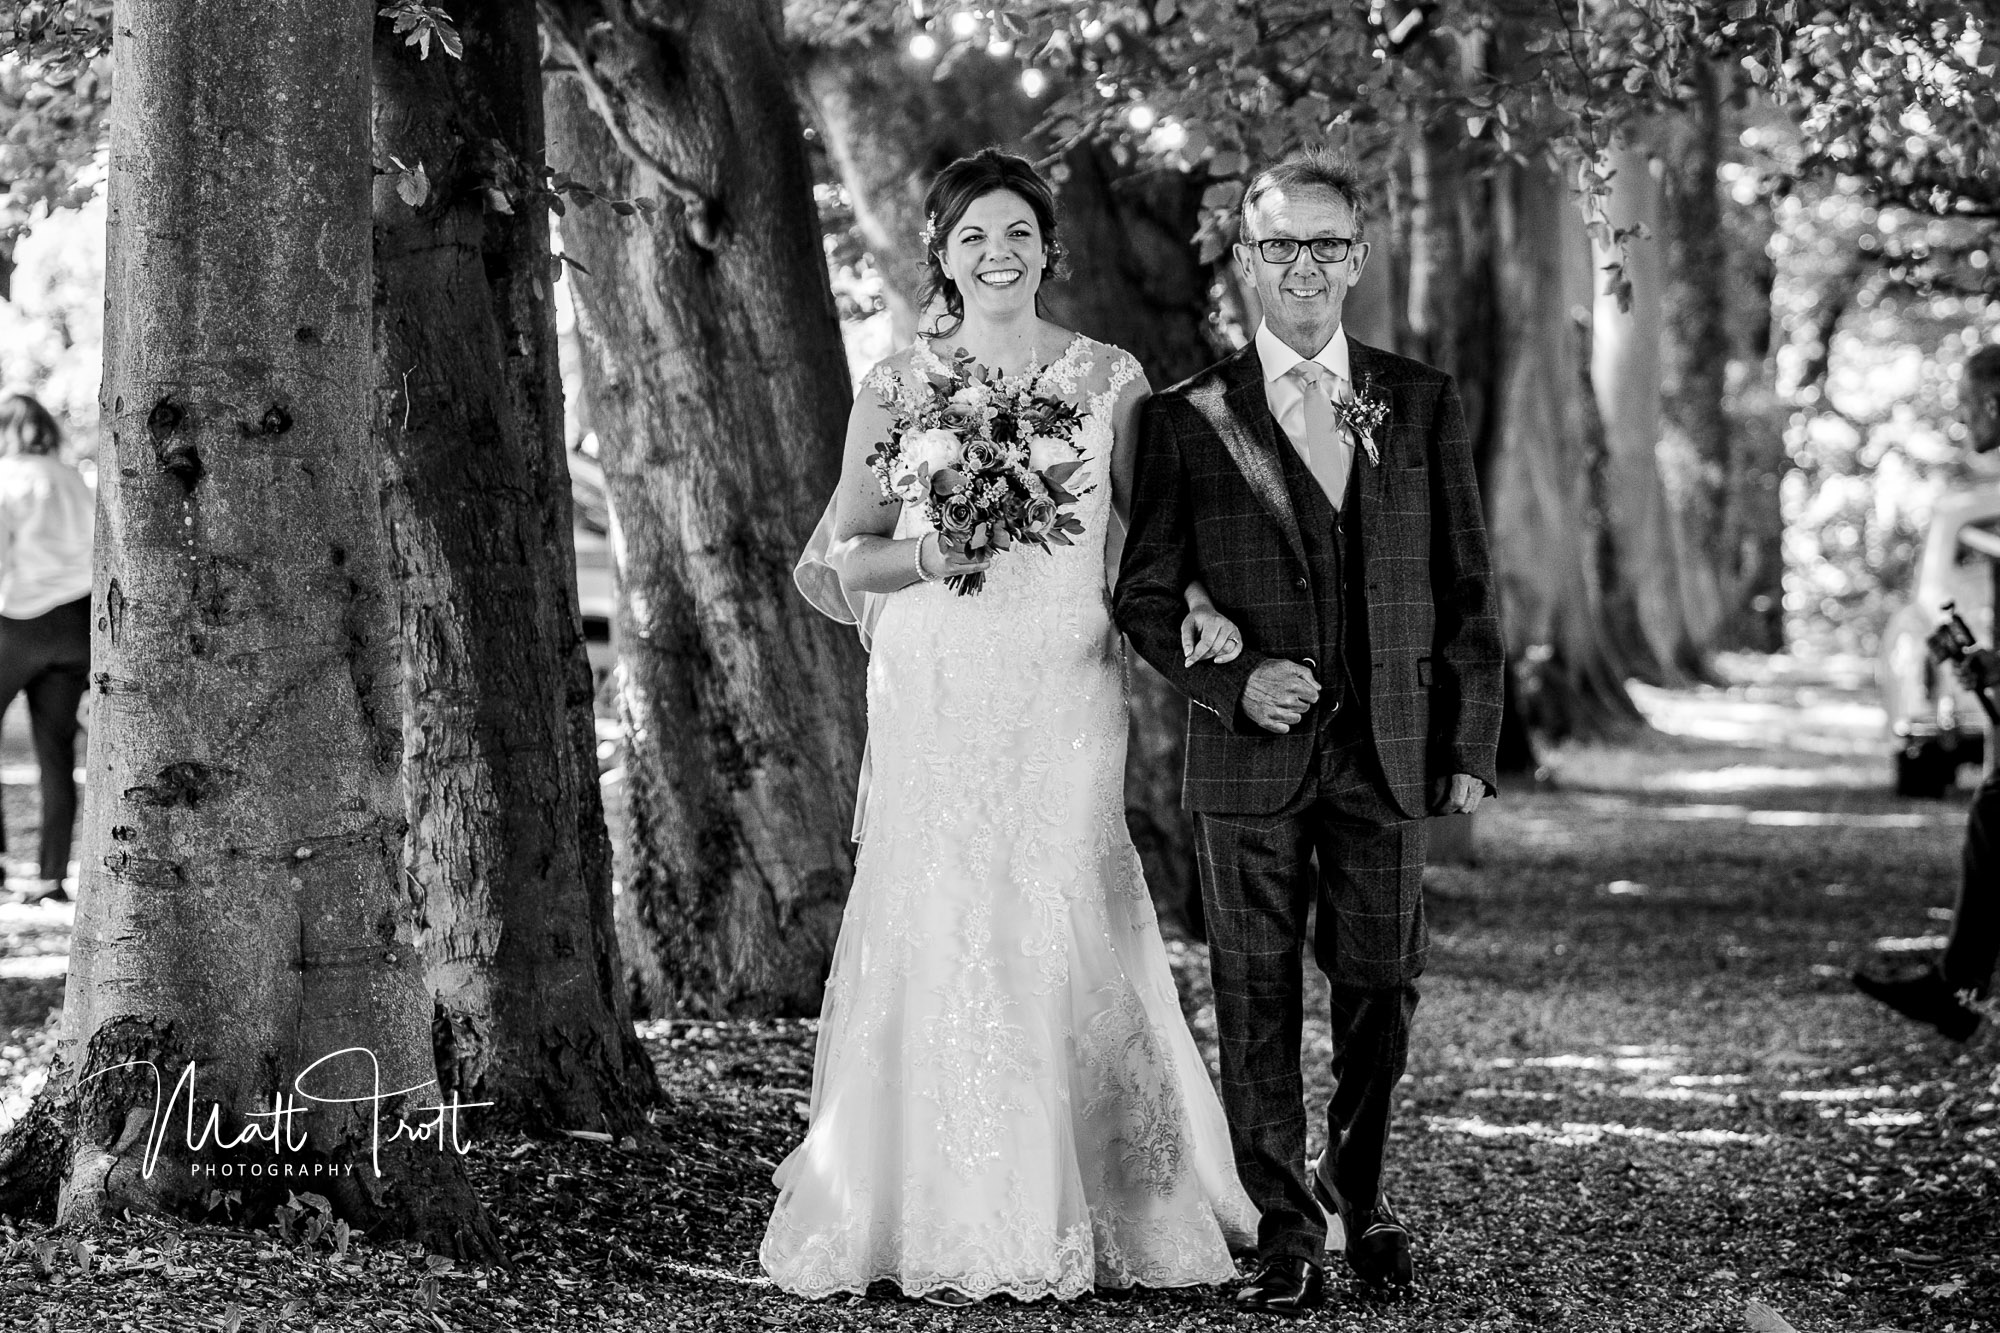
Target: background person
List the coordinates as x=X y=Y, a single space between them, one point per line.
x=1965 y=967
x=1934 y=994
x=47 y=515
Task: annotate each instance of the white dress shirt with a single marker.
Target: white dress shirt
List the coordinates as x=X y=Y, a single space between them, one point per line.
x=47 y=513
x=1287 y=399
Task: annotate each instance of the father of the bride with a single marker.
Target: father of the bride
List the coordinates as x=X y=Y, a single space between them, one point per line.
x=1323 y=491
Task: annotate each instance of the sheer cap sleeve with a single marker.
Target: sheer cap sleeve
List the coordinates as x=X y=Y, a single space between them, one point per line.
x=815 y=578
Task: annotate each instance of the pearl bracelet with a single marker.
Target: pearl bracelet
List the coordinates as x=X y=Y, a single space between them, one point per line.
x=923 y=574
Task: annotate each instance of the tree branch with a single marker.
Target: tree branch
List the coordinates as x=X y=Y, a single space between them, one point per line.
x=698 y=210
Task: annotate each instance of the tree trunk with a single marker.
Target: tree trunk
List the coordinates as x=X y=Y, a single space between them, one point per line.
x=1551 y=475
x=717 y=383
x=242 y=901
x=1132 y=279
x=1694 y=448
x=507 y=852
x=1754 y=543
x=1451 y=321
x=1647 y=610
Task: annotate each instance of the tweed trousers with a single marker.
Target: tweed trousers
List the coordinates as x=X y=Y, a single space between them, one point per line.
x=1259 y=882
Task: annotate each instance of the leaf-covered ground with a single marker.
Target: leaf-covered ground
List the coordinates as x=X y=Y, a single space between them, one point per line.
x=1642 y=1095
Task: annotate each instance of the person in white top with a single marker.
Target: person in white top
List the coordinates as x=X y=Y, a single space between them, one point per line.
x=47 y=515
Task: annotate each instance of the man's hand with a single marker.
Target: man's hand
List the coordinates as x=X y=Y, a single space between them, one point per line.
x=1980 y=669
x=1278 y=693
x=1458 y=794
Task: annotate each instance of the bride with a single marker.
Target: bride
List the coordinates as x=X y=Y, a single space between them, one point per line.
x=1005 y=1098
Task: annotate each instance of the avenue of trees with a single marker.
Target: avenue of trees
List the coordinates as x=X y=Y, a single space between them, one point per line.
x=343 y=789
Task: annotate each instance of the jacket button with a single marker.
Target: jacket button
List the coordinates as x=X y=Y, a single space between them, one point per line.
x=1299 y=583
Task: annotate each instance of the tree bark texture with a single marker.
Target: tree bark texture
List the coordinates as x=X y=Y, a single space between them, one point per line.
x=1754 y=618
x=1694 y=447
x=1446 y=229
x=242 y=910
x=718 y=386
x=1131 y=277
x=1550 y=481
x=1646 y=608
x=507 y=854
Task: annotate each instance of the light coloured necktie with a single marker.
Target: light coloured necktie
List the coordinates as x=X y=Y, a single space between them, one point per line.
x=1326 y=453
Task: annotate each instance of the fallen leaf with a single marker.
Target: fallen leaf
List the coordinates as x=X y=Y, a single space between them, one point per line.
x=1943 y=1290
x=1761 y=1318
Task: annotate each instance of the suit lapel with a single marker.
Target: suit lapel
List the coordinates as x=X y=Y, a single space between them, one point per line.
x=1251 y=437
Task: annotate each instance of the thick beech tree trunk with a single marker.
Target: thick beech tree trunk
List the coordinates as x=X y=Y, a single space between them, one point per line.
x=508 y=856
x=243 y=912
x=1133 y=279
x=1694 y=447
x=1758 y=461
x=1450 y=322
x=719 y=390
x=1550 y=478
x=1644 y=596
x=1442 y=215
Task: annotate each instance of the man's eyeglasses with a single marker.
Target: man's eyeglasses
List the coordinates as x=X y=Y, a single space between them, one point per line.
x=1325 y=249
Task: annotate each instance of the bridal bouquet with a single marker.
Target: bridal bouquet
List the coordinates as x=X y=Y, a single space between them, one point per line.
x=986 y=456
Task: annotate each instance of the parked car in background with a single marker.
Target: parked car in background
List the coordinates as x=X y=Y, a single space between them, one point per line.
x=1935 y=724
x=592 y=524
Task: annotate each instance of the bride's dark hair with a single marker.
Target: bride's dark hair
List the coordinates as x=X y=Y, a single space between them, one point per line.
x=957 y=188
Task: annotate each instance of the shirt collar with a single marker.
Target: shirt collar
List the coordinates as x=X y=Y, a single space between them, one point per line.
x=1278 y=358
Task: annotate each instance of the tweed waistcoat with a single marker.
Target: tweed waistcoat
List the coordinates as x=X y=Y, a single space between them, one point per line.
x=1334 y=564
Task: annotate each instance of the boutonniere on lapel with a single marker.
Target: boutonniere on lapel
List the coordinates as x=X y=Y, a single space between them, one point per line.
x=1363 y=415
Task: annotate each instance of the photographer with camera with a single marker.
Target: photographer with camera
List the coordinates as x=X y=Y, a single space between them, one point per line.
x=1939 y=993
x=1936 y=994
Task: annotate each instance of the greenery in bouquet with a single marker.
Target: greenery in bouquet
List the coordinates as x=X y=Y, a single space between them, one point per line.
x=988 y=457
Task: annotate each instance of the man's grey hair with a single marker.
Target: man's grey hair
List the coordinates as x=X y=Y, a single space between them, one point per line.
x=1313 y=165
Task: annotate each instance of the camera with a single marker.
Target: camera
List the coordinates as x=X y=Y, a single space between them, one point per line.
x=1951 y=643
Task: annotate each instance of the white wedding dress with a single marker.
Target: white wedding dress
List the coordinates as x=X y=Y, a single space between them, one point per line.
x=1005 y=1096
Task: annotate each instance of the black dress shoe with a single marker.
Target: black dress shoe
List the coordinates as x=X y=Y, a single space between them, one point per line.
x=1377 y=1245
x=1926 y=997
x=950 y=1297
x=1284 y=1286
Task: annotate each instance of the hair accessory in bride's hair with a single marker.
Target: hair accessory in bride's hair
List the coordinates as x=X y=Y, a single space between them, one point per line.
x=929 y=234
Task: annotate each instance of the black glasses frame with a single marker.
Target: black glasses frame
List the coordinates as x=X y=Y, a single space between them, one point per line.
x=1324 y=249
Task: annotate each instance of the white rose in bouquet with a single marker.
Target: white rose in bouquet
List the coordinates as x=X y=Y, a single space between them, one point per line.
x=1045 y=451
x=934 y=449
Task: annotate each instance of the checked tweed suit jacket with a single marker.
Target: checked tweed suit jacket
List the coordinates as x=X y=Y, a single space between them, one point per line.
x=1210 y=502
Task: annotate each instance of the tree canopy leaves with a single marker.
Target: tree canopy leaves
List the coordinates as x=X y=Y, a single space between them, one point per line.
x=1895 y=92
